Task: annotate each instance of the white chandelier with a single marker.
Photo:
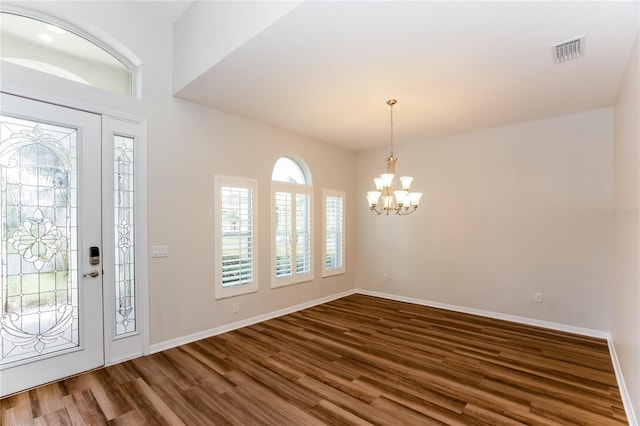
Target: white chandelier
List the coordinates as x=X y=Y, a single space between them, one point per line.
x=386 y=199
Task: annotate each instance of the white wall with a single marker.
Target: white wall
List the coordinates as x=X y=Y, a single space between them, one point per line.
x=197 y=143
x=208 y=31
x=188 y=145
x=506 y=212
x=625 y=288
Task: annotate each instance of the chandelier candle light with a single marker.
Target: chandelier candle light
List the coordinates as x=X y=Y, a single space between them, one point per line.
x=385 y=199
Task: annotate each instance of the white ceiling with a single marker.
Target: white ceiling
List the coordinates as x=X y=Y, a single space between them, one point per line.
x=326 y=69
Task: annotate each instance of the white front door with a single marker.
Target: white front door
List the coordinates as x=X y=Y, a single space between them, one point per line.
x=51 y=320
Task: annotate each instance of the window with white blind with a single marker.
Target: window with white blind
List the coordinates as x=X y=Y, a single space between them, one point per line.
x=333 y=227
x=292 y=248
x=236 y=236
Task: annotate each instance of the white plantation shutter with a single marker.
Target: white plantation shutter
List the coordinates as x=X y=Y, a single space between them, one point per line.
x=303 y=234
x=284 y=234
x=236 y=213
x=333 y=247
x=293 y=241
x=237 y=237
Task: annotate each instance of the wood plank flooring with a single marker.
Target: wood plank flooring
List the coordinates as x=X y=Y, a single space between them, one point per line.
x=358 y=360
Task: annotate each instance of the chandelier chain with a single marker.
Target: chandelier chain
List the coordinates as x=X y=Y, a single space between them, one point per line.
x=391 y=103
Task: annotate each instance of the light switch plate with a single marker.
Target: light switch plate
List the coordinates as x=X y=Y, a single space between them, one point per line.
x=159 y=251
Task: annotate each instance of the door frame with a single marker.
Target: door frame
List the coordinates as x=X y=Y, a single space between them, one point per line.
x=132 y=345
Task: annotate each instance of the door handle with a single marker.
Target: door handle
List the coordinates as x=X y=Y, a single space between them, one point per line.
x=92 y=274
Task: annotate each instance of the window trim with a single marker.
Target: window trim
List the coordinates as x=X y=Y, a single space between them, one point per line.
x=221 y=292
x=294 y=189
x=336 y=194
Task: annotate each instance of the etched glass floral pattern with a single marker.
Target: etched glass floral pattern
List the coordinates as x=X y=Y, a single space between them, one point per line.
x=124 y=226
x=38 y=253
x=37 y=239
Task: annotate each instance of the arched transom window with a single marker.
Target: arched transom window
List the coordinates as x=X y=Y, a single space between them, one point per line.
x=288 y=170
x=65 y=52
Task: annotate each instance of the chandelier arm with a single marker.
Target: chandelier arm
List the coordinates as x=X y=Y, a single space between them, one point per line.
x=407 y=210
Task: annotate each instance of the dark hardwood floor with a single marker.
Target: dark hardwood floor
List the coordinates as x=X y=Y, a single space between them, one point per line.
x=358 y=360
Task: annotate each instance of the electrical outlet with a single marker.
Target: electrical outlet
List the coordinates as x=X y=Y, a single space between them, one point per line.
x=537 y=297
x=385 y=277
x=235 y=308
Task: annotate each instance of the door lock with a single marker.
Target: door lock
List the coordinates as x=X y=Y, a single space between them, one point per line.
x=94 y=255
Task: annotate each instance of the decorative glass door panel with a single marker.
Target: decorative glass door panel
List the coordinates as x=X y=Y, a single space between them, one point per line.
x=49 y=216
x=38 y=217
x=124 y=221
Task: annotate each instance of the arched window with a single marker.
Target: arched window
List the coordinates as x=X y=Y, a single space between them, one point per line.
x=289 y=171
x=292 y=223
x=65 y=52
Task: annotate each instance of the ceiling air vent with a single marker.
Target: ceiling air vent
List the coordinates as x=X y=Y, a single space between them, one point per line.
x=568 y=50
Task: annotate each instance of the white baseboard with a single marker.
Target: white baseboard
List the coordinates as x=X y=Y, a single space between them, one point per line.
x=168 y=344
x=157 y=347
x=490 y=314
x=624 y=394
